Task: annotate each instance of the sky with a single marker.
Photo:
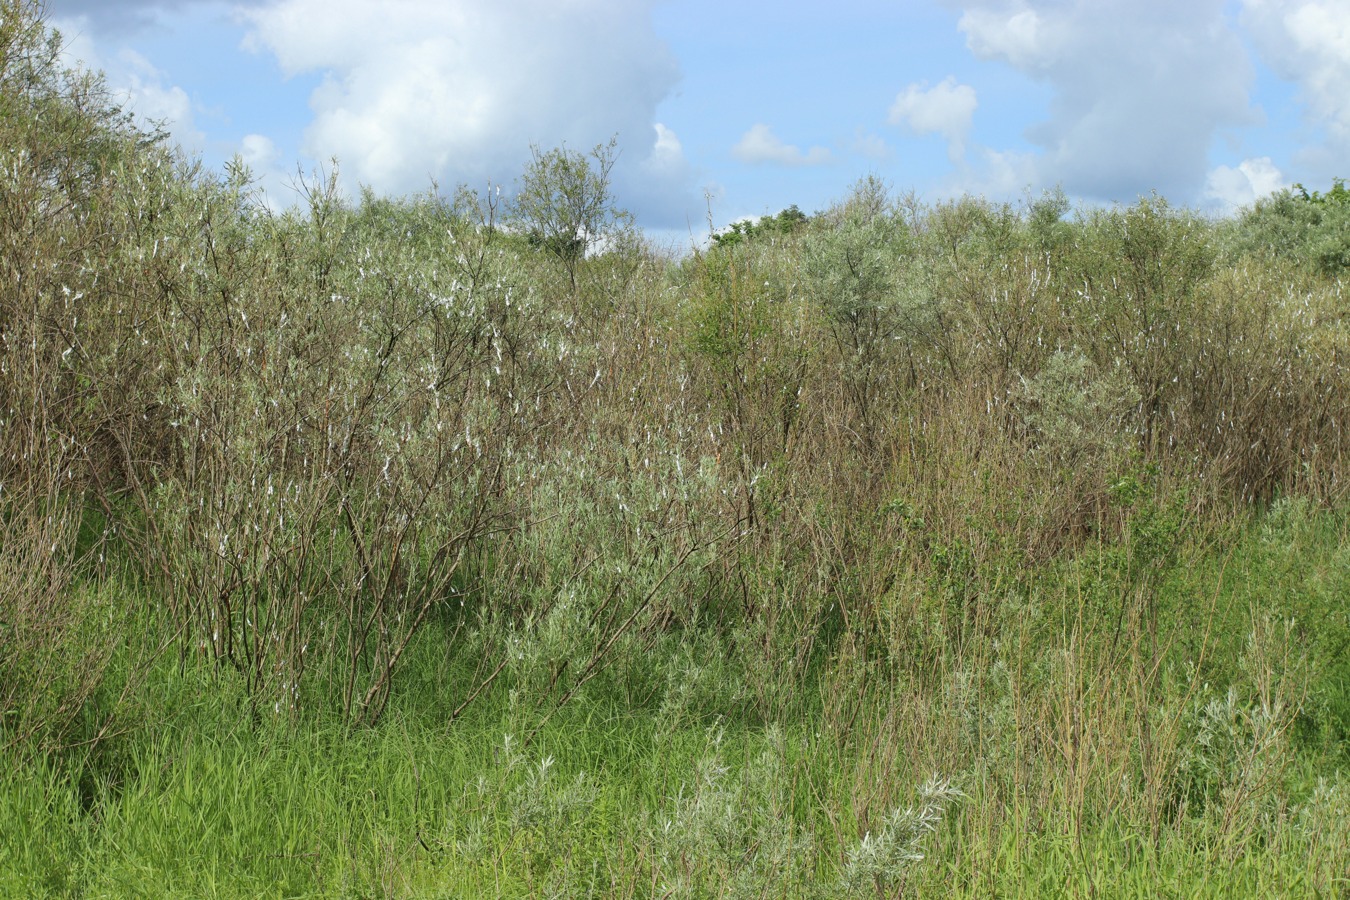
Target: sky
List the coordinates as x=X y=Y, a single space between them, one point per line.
x=729 y=109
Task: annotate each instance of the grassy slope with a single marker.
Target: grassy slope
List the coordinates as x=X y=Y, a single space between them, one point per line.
x=615 y=800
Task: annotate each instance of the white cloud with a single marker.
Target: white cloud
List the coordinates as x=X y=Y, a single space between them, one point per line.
x=258 y=151
x=660 y=188
x=1308 y=42
x=872 y=146
x=946 y=109
x=667 y=153
x=135 y=84
x=999 y=173
x=1139 y=88
x=1019 y=35
x=141 y=89
x=273 y=186
x=761 y=145
x=1252 y=179
x=458 y=90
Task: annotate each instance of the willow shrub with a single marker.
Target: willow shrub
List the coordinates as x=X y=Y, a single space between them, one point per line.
x=65 y=154
x=342 y=424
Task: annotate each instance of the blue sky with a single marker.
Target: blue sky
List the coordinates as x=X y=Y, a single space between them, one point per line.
x=742 y=107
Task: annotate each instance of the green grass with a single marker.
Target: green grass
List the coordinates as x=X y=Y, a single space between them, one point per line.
x=205 y=800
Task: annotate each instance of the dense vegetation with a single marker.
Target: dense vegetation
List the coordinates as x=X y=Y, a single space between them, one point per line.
x=468 y=547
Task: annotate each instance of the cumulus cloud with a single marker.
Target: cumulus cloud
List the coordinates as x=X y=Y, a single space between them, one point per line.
x=946 y=109
x=125 y=16
x=458 y=90
x=1308 y=42
x=667 y=153
x=1233 y=187
x=998 y=173
x=274 y=186
x=659 y=188
x=871 y=146
x=761 y=145
x=1139 y=88
x=258 y=151
x=136 y=85
x=1019 y=35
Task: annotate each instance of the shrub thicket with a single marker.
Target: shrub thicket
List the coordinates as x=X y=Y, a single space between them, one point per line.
x=941 y=481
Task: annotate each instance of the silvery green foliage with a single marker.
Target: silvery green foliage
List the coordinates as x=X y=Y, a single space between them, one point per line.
x=853 y=262
x=856 y=261
x=522 y=795
x=1323 y=822
x=730 y=833
x=882 y=859
x=1309 y=228
x=1075 y=413
x=611 y=556
x=700 y=680
x=1240 y=746
x=1233 y=737
x=1287 y=516
x=540 y=803
x=341 y=403
x=982 y=701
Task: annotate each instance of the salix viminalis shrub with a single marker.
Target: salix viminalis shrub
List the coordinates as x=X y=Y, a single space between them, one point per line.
x=565 y=206
x=443 y=401
x=64 y=148
x=730 y=828
x=753 y=333
x=1076 y=416
x=1236 y=759
x=621 y=519
x=1310 y=230
x=615 y=556
x=1141 y=269
x=853 y=262
x=343 y=392
x=221 y=534
x=882 y=859
x=988 y=271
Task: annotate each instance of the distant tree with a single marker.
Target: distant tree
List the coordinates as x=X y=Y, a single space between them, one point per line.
x=851 y=260
x=788 y=221
x=565 y=205
x=1311 y=228
x=1337 y=196
x=1045 y=220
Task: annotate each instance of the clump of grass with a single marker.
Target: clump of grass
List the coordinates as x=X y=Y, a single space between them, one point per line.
x=45 y=831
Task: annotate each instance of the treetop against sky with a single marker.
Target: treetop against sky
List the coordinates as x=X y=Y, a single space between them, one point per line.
x=729 y=110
